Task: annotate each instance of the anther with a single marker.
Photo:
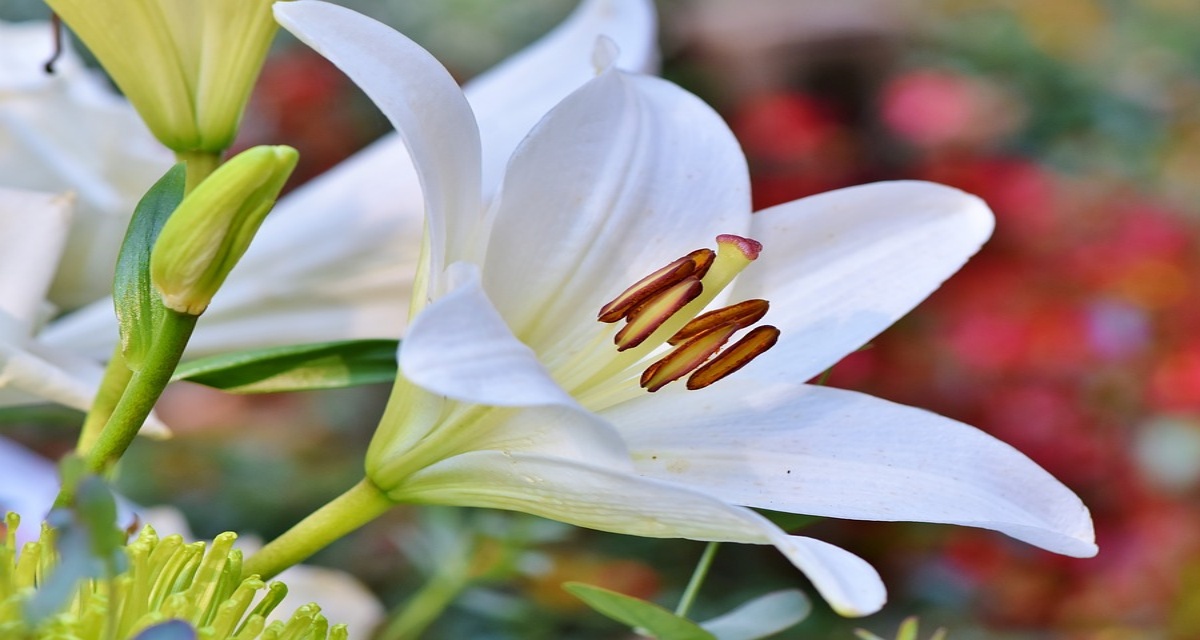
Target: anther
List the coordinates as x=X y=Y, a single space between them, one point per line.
x=649 y=315
x=685 y=358
x=740 y=315
x=735 y=357
x=695 y=264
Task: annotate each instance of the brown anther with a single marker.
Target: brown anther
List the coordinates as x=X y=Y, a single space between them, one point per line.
x=665 y=277
x=740 y=315
x=735 y=357
x=685 y=358
x=649 y=315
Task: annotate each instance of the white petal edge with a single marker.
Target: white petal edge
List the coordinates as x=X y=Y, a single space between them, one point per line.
x=419 y=98
x=842 y=266
x=460 y=347
x=33 y=232
x=577 y=493
x=512 y=97
x=830 y=452
x=763 y=616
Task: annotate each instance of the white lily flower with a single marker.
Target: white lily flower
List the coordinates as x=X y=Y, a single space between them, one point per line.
x=514 y=396
x=68 y=131
x=335 y=259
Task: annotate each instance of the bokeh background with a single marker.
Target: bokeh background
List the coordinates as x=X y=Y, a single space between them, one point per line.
x=1073 y=335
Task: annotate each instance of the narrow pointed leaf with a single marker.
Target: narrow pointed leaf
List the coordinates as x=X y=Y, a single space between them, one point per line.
x=651 y=618
x=139 y=307
x=325 y=365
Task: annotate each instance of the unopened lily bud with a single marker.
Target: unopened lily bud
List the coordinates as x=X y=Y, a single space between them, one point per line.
x=206 y=236
x=187 y=66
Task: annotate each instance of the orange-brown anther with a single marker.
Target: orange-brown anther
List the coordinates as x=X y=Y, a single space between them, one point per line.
x=685 y=358
x=651 y=313
x=740 y=315
x=735 y=357
x=695 y=263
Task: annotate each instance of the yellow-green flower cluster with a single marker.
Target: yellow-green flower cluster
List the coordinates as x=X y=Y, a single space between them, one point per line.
x=166 y=579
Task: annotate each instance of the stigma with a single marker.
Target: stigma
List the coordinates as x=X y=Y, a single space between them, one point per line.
x=665 y=306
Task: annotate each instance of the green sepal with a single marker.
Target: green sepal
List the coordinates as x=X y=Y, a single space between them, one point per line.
x=139 y=307
x=323 y=365
x=638 y=614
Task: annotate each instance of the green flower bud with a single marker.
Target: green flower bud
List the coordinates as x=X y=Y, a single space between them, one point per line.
x=166 y=582
x=186 y=65
x=206 y=236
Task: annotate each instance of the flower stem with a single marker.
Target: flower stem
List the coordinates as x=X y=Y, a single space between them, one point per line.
x=199 y=165
x=424 y=607
x=693 y=586
x=142 y=392
x=112 y=387
x=359 y=505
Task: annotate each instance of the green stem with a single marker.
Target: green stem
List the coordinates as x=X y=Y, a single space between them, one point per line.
x=112 y=387
x=199 y=165
x=359 y=505
x=701 y=572
x=145 y=386
x=426 y=606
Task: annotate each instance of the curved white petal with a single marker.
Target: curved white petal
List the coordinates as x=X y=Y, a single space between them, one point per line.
x=842 y=266
x=510 y=98
x=763 y=616
x=421 y=100
x=624 y=176
x=460 y=347
x=33 y=231
x=829 y=452
x=28 y=378
x=599 y=498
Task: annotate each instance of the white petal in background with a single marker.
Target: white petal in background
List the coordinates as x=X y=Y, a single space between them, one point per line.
x=360 y=224
x=70 y=132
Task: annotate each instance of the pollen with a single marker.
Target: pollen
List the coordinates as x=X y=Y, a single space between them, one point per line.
x=665 y=307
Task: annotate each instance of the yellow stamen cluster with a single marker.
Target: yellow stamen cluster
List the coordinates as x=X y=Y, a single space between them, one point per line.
x=166 y=580
x=671 y=294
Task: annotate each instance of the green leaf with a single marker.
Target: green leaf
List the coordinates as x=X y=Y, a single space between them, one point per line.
x=139 y=307
x=649 y=617
x=325 y=365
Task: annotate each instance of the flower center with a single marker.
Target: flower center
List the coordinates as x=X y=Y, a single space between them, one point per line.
x=663 y=307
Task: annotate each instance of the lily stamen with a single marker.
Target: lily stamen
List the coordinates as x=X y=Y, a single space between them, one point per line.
x=663 y=307
x=735 y=357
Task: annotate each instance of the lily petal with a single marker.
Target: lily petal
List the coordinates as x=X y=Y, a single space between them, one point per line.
x=33 y=231
x=522 y=89
x=830 y=452
x=624 y=176
x=460 y=347
x=30 y=374
x=840 y=267
x=420 y=99
x=578 y=493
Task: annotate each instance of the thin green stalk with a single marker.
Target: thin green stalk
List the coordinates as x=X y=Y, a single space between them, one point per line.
x=426 y=605
x=199 y=165
x=356 y=507
x=112 y=387
x=698 y=576
x=142 y=392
